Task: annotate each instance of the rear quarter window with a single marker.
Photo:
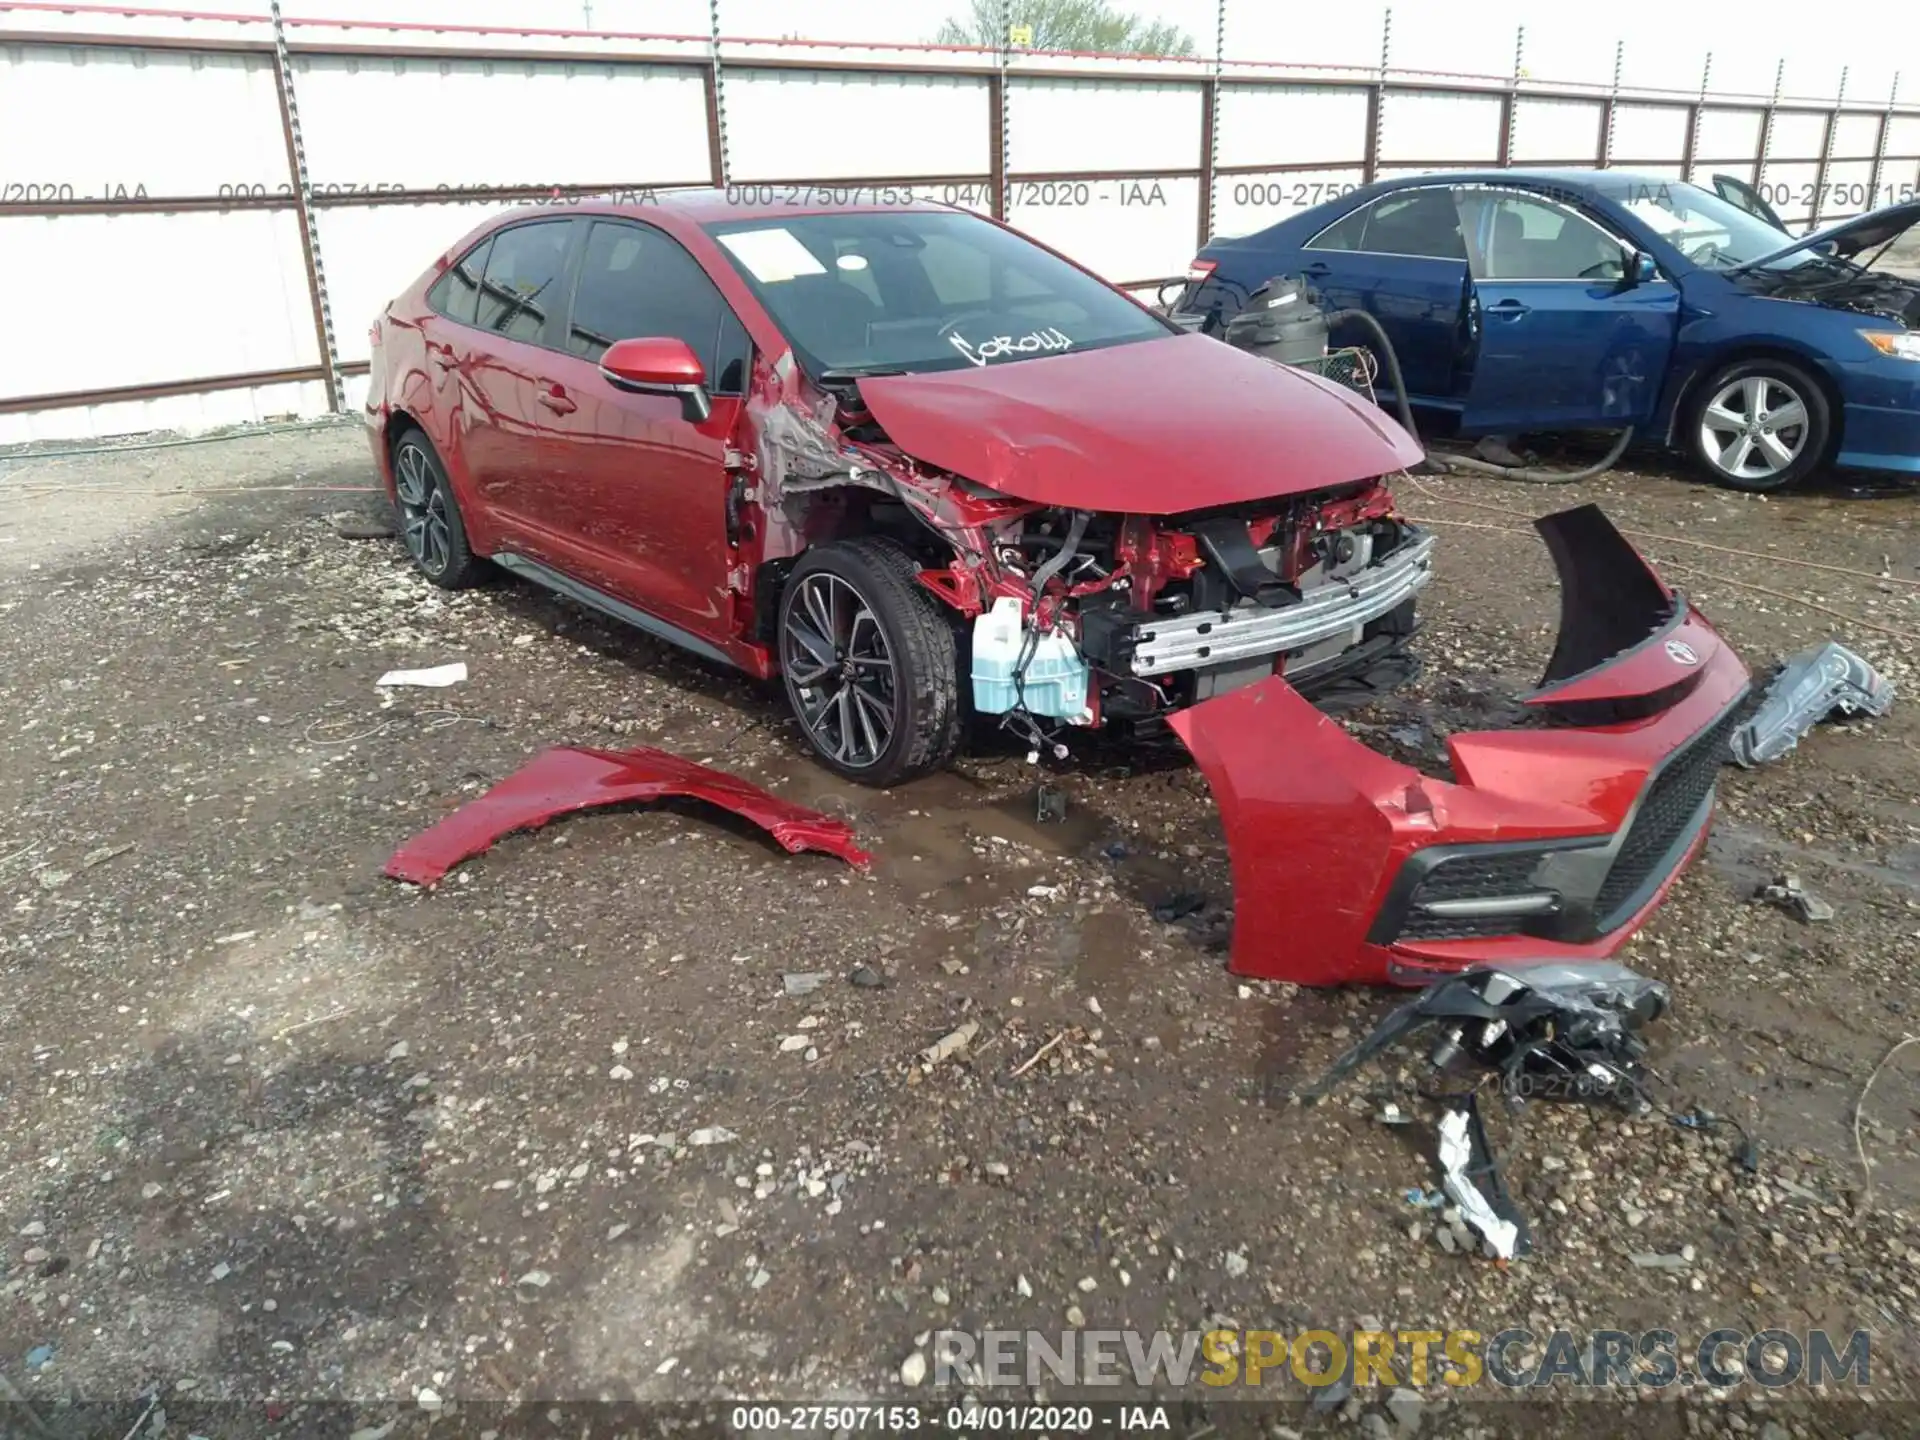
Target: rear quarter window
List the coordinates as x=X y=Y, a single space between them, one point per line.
x=456 y=294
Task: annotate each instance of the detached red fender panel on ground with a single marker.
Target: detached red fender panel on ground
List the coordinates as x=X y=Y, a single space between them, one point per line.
x=570 y=777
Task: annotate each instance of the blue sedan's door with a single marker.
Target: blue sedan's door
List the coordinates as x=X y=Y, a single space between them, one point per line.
x=1404 y=261
x=1563 y=333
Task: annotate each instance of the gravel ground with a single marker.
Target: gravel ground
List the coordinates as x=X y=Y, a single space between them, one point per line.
x=279 y=1131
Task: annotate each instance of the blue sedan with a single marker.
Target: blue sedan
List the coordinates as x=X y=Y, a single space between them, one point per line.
x=1557 y=300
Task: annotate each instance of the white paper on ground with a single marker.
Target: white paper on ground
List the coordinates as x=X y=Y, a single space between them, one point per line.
x=437 y=677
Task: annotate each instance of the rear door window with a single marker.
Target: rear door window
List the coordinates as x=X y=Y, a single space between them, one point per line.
x=1421 y=223
x=523 y=278
x=636 y=281
x=1415 y=222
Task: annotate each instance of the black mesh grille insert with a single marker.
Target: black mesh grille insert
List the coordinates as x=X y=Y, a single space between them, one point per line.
x=1470 y=877
x=1670 y=802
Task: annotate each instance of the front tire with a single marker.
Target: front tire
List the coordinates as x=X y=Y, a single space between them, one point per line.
x=871 y=662
x=429 y=516
x=1760 y=425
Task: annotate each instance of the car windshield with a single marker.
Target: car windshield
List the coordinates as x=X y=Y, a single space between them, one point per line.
x=865 y=292
x=1709 y=231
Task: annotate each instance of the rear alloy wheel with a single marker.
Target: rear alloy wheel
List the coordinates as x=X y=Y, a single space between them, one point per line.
x=430 y=524
x=870 y=661
x=1760 y=425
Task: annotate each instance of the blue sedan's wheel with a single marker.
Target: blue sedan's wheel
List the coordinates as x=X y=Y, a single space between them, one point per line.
x=1760 y=425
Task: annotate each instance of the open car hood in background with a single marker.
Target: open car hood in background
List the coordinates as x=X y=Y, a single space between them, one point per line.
x=1151 y=428
x=1849 y=237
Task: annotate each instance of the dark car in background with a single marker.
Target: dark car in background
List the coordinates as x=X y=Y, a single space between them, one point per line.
x=1531 y=301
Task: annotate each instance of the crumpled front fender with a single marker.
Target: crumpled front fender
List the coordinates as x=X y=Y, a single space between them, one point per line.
x=1323 y=833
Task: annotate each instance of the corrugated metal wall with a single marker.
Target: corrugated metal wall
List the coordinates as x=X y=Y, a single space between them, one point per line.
x=148 y=194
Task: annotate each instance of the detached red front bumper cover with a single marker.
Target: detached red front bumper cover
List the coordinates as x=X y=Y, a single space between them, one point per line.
x=1553 y=844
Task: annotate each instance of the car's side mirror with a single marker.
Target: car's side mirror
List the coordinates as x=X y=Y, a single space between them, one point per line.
x=659 y=365
x=1640 y=268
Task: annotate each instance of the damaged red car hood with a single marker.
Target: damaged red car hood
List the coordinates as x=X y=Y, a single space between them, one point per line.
x=1153 y=428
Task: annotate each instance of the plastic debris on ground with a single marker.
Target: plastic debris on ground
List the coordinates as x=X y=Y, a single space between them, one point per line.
x=1552 y=1032
x=1812 y=685
x=435 y=677
x=569 y=778
x=1465 y=1162
x=1788 y=894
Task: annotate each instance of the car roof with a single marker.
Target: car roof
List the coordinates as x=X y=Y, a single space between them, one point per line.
x=1603 y=182
x=710 y=205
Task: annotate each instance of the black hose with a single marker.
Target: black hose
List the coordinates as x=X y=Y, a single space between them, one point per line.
x=1532 y=475
x=1069 y=547
x=1387 y=357
x=1528 y=474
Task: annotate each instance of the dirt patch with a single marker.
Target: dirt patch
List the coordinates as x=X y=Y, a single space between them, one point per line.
x=297 y=1132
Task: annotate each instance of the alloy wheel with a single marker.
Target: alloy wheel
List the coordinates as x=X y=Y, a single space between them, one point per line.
x=423 y=510
x=1754 y=428
x=840 y=670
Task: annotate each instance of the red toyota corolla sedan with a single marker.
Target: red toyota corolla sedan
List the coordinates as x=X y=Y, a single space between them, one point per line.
x=923 y=468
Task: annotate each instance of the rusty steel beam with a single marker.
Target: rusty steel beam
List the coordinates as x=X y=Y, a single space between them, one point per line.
x=117 y=394
x=1826 y=150
x=1209 y=101
x=152 y=205
x=282 y=86
x=716 y=160
x=1370 y=164
x=997 y=143
x=1039 y=177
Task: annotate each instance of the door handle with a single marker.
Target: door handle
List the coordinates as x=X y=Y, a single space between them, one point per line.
x=1509 y=309
x=442 y=355
x=554 y=397
x=1317 y=268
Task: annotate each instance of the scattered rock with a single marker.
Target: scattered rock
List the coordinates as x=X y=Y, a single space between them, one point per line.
x=866 y=977
x=1649 y=1261
x=1236 y=1264
x=1786 y=893
x=950 y=1044
x=913 y=1369
x=1179 y=905
x=1407 y=1408
x=804 y=984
